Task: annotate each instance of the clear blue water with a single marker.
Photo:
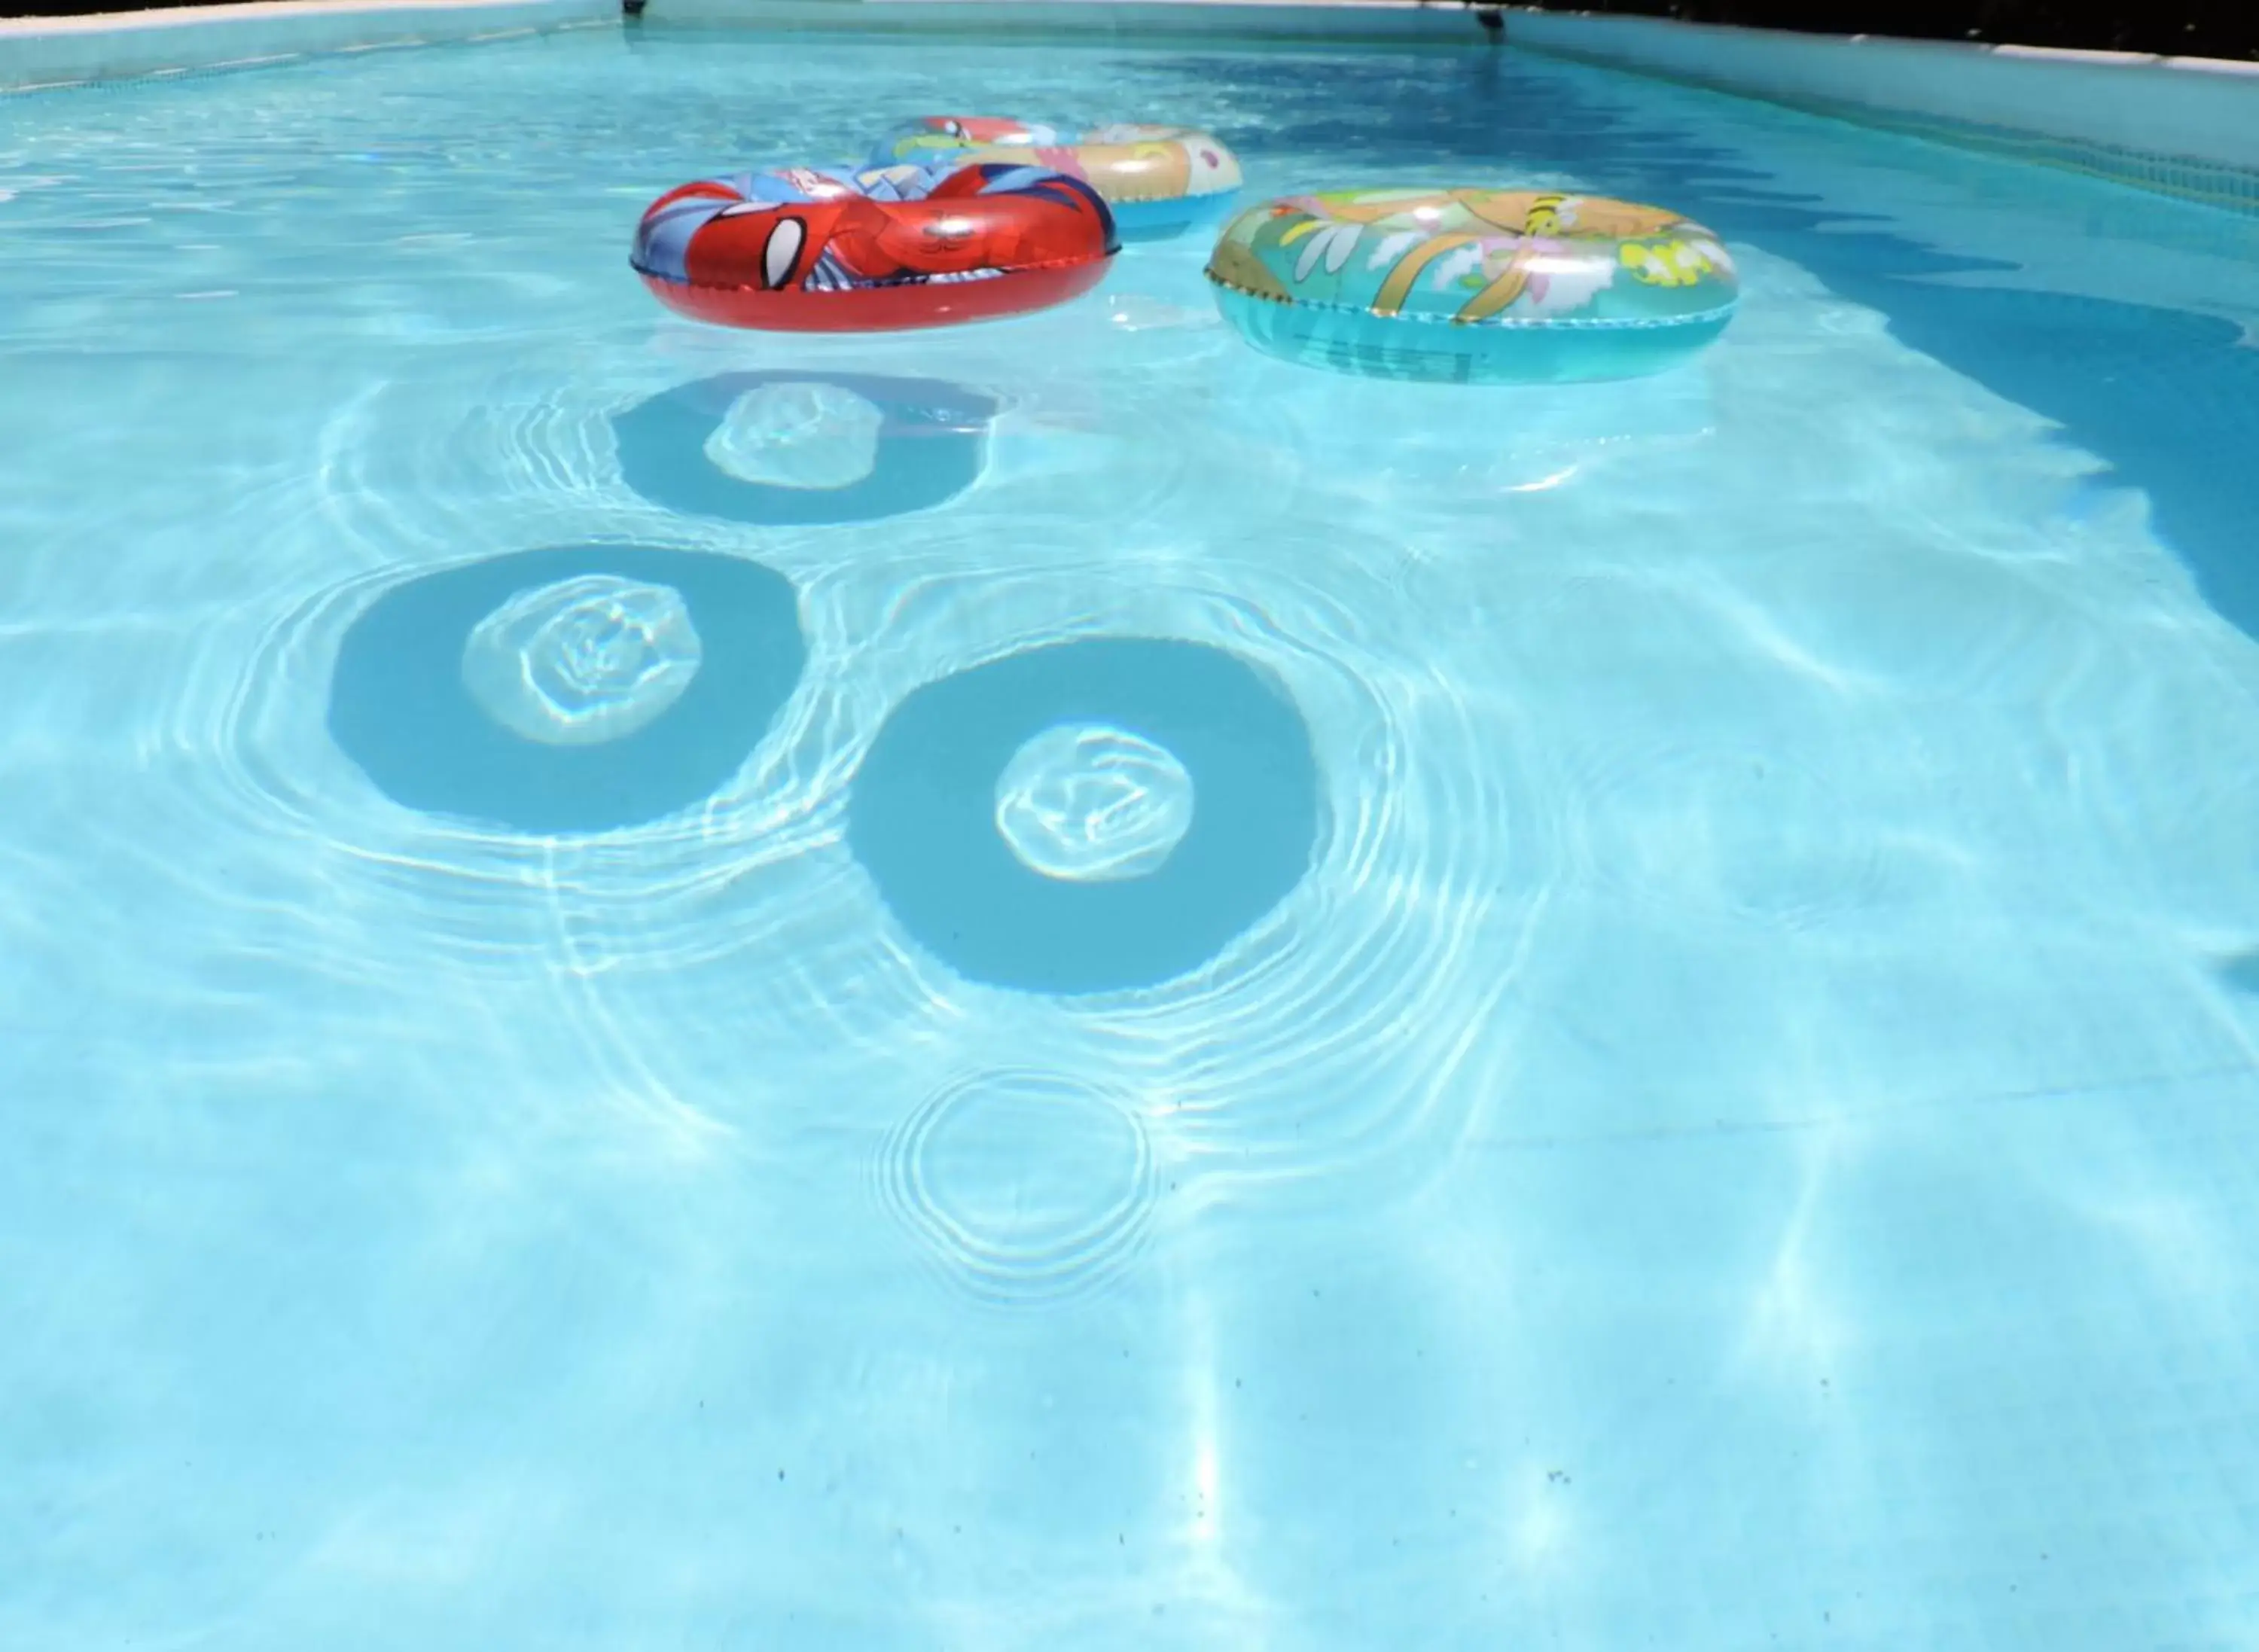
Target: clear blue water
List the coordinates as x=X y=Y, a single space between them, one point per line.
x=1054 y=986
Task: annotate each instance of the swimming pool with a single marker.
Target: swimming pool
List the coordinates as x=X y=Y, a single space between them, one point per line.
x=1220 y=1006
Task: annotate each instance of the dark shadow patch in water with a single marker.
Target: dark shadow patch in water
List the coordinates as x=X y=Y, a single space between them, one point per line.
x=2241 y=972
x=401 y=710
x=2168 y=398
x=932 y=446
x=922 y=815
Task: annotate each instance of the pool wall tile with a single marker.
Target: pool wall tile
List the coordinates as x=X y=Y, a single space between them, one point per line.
x=43 y=52
x=2183 y=126
x=1136 y=20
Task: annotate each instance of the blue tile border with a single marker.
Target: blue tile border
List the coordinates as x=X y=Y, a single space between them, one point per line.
x=2235 y=189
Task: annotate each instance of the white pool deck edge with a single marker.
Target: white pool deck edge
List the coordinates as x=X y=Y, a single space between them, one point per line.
x=40 y=52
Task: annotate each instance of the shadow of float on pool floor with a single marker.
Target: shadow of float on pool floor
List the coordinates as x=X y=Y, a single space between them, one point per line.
x=403 y=708
x=927 y=444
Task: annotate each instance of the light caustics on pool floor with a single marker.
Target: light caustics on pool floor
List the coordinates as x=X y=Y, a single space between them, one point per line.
x=1054 y=984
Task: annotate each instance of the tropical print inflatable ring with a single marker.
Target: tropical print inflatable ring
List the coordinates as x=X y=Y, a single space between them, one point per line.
x=1473 y=285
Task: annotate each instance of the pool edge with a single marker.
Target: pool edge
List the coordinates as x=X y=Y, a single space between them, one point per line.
x=2185 y=128
x=40 y=55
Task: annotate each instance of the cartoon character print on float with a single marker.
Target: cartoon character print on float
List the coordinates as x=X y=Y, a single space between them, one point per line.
x=807 y=250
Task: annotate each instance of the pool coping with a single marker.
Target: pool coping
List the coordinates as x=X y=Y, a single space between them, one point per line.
x=2178 y=127
x=108 y=48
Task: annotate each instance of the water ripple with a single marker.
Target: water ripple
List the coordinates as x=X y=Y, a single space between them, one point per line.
x=1346 y=1033
x=1029 y=1187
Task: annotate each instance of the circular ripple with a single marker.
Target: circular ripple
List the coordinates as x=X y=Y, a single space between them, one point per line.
x=400 y=708
x=1092 y=803
x=757 y=447
x=1030 y=1186
x=921 y=816
x=583 y=660
x=1349 y=1038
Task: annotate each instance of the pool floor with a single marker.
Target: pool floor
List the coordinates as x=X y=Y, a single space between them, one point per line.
x=1053 y=985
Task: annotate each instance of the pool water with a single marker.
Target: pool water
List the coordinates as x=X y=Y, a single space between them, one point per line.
x=1057 y=986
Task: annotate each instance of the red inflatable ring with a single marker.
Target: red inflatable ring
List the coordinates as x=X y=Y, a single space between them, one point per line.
x=808 y=251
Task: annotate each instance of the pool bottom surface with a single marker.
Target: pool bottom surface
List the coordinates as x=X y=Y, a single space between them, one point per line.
x=1056 y=983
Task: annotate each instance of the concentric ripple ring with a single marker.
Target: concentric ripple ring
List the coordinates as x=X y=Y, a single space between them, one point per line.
x=1028 y=1186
